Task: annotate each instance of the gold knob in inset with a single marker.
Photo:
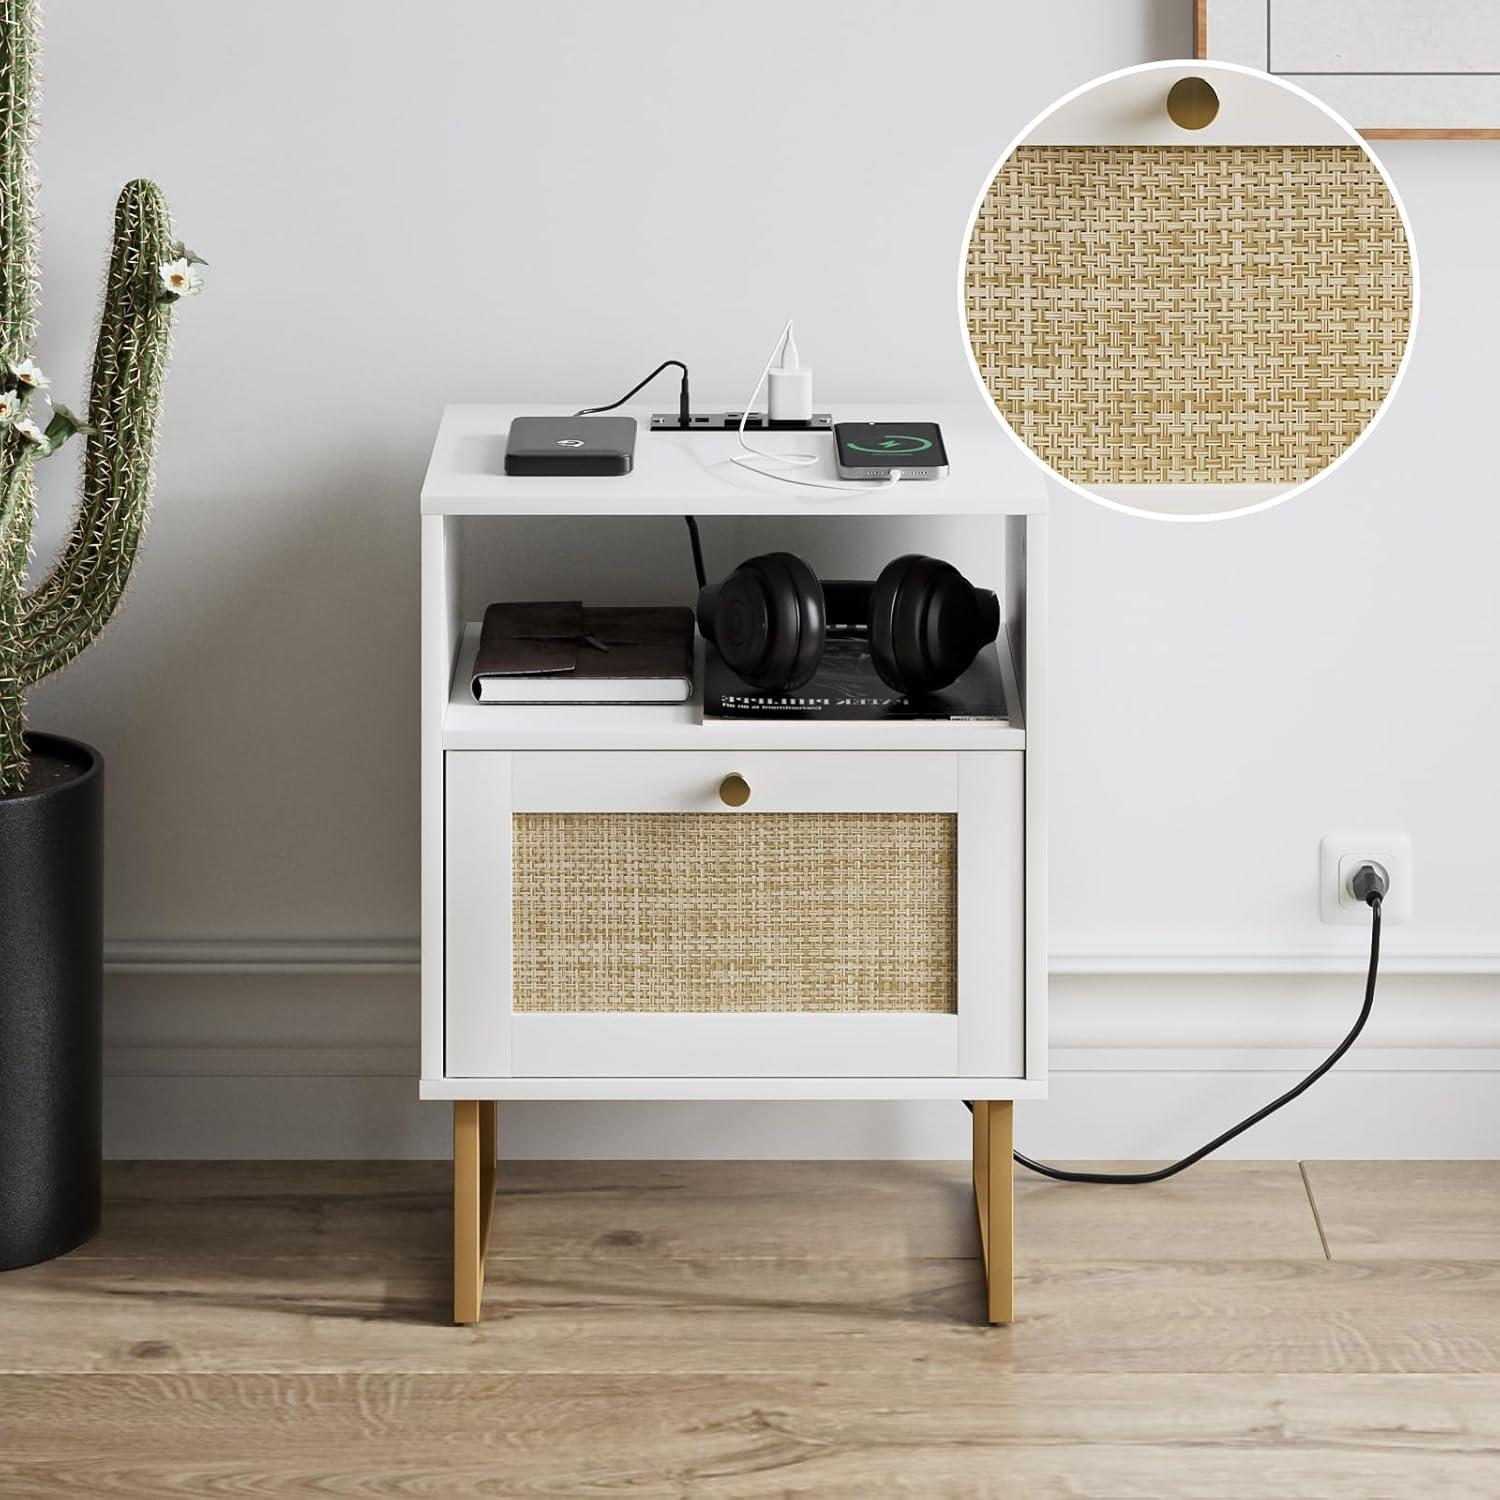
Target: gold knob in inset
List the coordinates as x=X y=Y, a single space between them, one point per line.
x=734 y=790
x=1192 y=103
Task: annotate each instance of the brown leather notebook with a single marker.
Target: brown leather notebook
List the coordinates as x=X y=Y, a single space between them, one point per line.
x=560 y=652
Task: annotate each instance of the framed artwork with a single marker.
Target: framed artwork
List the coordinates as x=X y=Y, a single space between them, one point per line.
x=1397 y=69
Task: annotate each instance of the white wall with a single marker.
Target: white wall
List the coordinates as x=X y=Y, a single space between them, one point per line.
x=406 y=205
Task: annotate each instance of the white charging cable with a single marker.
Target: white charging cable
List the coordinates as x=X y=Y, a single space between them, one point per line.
x=754 y=458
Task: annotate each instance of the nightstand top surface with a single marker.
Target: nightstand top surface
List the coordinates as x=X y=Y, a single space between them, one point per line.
x=680 y=472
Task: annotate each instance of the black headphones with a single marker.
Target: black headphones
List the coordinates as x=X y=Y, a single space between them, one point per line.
x=926 y=622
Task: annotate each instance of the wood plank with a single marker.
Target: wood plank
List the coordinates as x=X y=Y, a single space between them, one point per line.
x=384 y=1209
x=400 y=1210
x=1408 y=1210
x=1431 y=135
x=394 y=1211
x=150 y=1434
x=1234 y=1210
x=639 y=1314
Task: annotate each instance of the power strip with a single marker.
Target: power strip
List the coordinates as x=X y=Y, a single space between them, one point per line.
x=729 y=421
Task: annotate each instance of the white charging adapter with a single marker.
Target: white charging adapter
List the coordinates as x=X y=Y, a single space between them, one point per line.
x=789 y=385
x=797 y=396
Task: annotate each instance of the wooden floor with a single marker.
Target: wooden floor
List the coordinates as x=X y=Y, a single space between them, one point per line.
x=764 y=1329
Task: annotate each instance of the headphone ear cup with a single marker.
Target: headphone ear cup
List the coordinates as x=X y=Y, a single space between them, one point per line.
x=932 y=623
x=881 y=623
x=811 y=609
x=707 y=609
x=767 y=621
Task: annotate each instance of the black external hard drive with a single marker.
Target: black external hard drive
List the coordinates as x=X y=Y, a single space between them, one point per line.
x=570 y=445
x=872 y=450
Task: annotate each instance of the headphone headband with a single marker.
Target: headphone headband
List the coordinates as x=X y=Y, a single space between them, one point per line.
x=846 y=601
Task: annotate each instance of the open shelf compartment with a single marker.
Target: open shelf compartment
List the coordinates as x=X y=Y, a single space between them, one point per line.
x=468 y=725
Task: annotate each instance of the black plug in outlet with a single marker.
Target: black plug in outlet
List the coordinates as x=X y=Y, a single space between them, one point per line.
x=1369 y=883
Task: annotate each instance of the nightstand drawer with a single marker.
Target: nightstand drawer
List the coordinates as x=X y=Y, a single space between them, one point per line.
x=777 y=913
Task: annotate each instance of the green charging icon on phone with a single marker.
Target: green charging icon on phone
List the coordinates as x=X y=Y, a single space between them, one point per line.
x=897 y=442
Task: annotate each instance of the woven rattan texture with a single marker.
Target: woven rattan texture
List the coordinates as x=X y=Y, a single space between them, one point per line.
x=1188 y=315
x=702 y=913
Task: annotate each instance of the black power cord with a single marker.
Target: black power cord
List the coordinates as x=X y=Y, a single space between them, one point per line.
x=697 y=541
x=1368 y=885
x=684 y=401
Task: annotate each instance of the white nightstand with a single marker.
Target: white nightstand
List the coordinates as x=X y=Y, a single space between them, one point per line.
x=510 y=795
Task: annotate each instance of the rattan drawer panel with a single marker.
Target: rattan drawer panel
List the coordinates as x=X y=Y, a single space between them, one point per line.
x=689 y=913
x=1188 y=315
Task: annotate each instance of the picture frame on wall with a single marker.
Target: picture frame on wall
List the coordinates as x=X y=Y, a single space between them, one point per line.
x=1396 y=69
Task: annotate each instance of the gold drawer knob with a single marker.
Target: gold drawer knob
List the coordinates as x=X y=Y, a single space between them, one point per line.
x=734 y=790
x=1193 y=103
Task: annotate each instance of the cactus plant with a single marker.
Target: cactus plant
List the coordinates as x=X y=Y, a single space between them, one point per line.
x=45 y=628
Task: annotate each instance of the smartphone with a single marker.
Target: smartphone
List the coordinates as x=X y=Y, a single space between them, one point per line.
x=872 y=450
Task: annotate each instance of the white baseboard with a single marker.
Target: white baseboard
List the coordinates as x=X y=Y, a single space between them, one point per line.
x=307 y=1049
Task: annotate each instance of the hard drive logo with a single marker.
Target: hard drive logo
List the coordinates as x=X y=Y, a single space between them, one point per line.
x=897 y=442
x=569 y=443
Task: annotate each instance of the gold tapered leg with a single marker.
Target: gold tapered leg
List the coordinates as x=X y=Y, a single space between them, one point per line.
x=474 y=1150
x=994 y=1196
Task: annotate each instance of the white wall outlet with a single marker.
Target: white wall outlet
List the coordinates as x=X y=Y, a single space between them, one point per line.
x=1341 y=854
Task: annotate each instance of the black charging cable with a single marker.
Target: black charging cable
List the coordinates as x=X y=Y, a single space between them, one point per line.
x=1368 y=885
x=697 y=541
x=684 y=400
x=684 y=421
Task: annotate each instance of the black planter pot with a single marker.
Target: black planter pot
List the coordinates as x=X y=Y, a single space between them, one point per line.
x=51 y=978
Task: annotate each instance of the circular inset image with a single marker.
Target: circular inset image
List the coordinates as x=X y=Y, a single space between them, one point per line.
x=1189 y=289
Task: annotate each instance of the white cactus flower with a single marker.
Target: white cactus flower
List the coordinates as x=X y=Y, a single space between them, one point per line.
x=31 y=432
x=28 y=372
x=179 y=278
x=10 y=404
